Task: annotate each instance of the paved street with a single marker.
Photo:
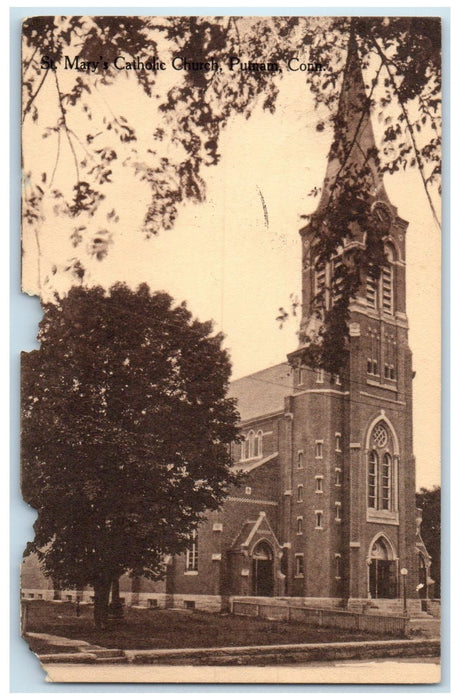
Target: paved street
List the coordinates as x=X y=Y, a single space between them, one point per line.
x=416 y=670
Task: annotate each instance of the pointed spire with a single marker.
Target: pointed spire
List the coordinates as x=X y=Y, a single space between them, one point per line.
x=353 y=152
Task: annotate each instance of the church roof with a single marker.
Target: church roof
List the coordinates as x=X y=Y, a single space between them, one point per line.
x=252 y=529
x=249 y=466
x=263 y=392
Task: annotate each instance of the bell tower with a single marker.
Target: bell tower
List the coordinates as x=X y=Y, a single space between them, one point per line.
x=367 y=408
x=353 y=162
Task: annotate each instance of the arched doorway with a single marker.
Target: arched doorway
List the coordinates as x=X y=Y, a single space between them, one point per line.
x=262 y=570
x=382 y=571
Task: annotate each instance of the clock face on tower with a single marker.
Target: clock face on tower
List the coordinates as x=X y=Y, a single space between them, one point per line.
x=382 y=216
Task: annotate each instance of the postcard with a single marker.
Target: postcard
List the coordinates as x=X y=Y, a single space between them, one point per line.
x=230 y=428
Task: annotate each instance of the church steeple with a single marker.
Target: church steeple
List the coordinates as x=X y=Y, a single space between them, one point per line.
x=353 y=154
x=352 y=168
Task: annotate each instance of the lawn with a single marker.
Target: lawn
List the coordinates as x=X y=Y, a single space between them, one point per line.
x=172 y=629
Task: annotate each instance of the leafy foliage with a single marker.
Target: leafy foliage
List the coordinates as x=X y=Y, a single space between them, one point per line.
x=429 y=500
x=400 y=58
x=125 y=432
x=194 y=112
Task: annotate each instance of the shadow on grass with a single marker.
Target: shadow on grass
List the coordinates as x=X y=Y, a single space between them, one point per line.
x=174 y=629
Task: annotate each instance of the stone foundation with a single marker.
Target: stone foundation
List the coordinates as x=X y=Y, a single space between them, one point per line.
x=217 y=603
x=209 y=603
x=38 y=594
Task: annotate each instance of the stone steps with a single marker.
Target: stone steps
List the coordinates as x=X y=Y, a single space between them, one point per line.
x=102 y=654
x=385 y=606
x=429 y=628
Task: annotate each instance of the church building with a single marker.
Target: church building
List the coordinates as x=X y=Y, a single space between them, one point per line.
x=326 y=511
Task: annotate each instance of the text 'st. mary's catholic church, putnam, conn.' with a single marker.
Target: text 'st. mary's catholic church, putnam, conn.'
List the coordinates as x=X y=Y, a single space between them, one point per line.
x=327 y=509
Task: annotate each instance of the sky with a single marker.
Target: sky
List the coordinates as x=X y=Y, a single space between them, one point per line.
x=222 y=256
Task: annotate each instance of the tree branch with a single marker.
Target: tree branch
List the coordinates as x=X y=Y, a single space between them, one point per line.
x=426 y=111
x=58 y=153
x=26 y=64
x=32 y=97
x=237 y=31
x=39 y=256
x=411 y=131
x=66 y=128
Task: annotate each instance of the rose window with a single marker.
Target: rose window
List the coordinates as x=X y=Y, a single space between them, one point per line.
x=380 y=435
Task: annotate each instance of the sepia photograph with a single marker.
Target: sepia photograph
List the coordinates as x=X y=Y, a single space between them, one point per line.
x=231 y=422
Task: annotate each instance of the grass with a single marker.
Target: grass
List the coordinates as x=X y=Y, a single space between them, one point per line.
x=171 y=629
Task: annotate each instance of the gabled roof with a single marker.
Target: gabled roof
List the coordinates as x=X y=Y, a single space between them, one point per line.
x=263 y=392
x=251 y=530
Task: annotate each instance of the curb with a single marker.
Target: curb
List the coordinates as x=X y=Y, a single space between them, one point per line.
x=286 y=653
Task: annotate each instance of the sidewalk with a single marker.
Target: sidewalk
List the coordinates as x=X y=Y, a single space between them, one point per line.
x=79 y=651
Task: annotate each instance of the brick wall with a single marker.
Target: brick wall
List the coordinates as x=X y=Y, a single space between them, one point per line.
x=218 y=532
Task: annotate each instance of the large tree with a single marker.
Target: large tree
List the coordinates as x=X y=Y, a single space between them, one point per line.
x=125 y=434
x=400 y=58
x=429 y=500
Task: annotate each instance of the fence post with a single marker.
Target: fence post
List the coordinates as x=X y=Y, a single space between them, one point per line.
x=322 y=617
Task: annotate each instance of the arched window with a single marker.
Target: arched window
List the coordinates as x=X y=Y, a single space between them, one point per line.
x=387 y=282
x=372 y=480
x=258 y=444
x=381 y=470
x=250 y=444
x=338 y=565
x=386 y=482
x=191 y=554
x=338 y=273
x=387 y=289
x=371 y=292
x=300 y=462
x=380 y=435
x=380 y=292
x=320 y=280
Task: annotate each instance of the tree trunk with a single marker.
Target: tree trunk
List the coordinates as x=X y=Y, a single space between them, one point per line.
x=101 y=602
x=116 y=607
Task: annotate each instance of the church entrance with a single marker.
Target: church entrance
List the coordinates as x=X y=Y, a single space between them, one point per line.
x=262 y=570
x=382 y=572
